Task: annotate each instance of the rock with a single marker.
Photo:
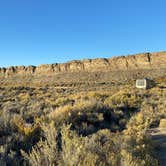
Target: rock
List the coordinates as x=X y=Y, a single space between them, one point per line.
x=162 y=123
x=121 y=63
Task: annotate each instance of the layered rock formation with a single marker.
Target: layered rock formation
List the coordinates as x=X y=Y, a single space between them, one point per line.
x=122 y=63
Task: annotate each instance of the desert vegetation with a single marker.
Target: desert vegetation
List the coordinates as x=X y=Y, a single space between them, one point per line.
x=80 y=125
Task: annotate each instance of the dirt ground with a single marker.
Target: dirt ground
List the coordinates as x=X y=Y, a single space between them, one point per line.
x=158 y=135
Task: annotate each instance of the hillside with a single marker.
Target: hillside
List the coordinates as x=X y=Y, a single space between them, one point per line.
x=116 y=69
x=91 y=115
x=122 y=63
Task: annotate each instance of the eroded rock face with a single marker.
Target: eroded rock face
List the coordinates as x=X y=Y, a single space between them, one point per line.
x=132 y=62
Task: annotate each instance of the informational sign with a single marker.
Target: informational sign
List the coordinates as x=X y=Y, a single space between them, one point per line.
x=141 y=83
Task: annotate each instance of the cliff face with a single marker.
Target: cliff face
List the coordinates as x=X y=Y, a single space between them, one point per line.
x=133 y=62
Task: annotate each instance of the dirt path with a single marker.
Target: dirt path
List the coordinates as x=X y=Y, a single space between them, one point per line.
x=159 y=137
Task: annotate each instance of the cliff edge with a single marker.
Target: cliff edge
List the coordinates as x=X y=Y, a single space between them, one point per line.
x=121 y=63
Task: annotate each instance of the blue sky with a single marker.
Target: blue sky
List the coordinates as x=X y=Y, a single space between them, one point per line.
x=48 y=31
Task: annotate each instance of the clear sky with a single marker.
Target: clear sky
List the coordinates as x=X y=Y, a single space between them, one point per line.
x=49 y=31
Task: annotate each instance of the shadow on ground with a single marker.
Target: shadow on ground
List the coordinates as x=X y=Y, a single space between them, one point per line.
x=159 y=138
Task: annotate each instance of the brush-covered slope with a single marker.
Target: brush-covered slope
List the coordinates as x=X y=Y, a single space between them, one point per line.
x=116 y=69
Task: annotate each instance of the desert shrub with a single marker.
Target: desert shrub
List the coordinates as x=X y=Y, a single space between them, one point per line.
x=9 y=109
x=72 y=147
x=24 y=97
x=101 y=148
x=61 y=114
x=45 y=151
x=97 y=149
x=26 y=129
x=98 y=134
x=138 y=149
x=106 y=145
x=88 y=116
x=83 y=115
x=98 y=95
x=34 y=109
x=61 y=101
x=124 y=98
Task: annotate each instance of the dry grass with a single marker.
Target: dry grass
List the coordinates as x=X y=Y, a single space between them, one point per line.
x=101 y=116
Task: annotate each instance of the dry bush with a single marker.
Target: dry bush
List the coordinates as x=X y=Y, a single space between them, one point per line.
x=126 y=98
x=89 y=108
x=137 y=147
x=45 y=151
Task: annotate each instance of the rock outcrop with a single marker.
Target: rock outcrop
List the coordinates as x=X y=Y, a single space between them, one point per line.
x=121 y=63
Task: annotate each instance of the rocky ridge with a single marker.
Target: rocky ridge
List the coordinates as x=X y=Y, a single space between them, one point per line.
x=121 y=63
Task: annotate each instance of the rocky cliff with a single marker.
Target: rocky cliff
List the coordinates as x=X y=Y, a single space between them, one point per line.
x=121 y=63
